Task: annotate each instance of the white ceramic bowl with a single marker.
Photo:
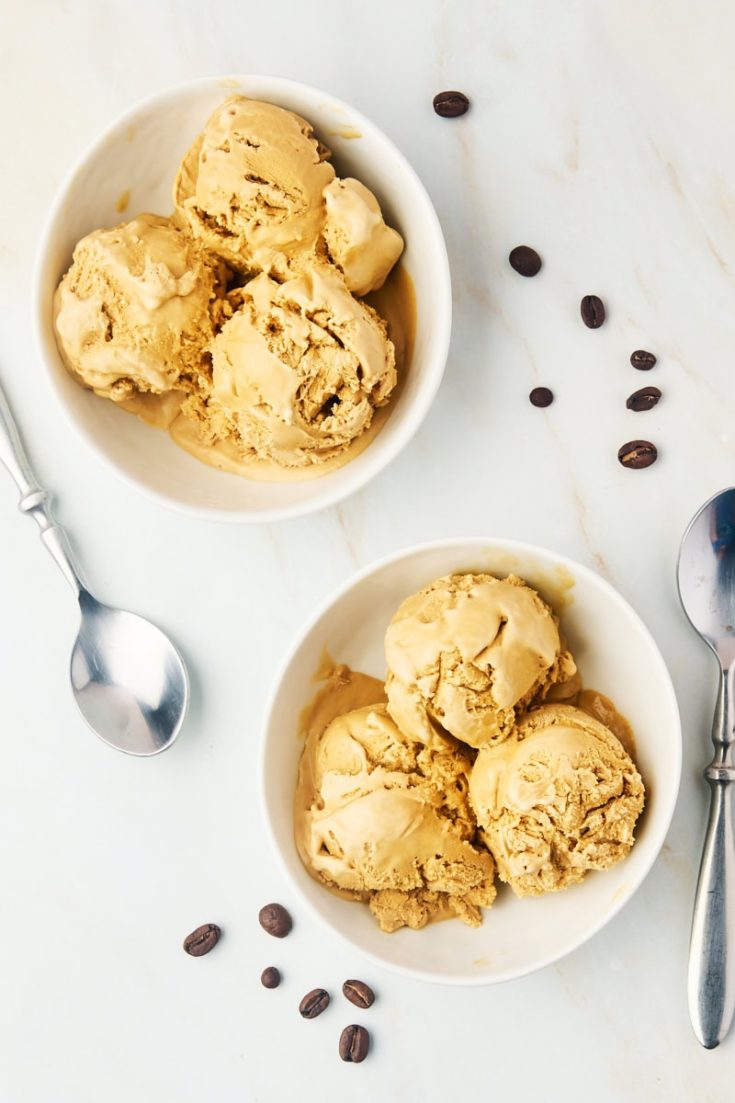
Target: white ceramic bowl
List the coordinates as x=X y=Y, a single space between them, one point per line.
x=139 y=154
x=616 y=655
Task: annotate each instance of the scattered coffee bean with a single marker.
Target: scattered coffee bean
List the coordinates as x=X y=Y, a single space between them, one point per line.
x=274 y=919
x=644 y=399
x=270 y=977
x=359 y=993
x=592 y=310
x=638 y=453
x=354 y=1043
x=314 y=1003
x=642 y=360
x=541 y=396
x=451 y=104
x=202 y=940
x=525 y=260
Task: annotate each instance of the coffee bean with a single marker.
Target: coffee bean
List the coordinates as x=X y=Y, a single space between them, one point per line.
x=354 y=1043
x=592 y=310
x=314 y=1003
x=644 y=399
x=642 y=360
x=451 y=104
x=274 y=919
x=541 y=396
x=525 y=260
x=202 y=940
x=359 y=993
x=637 y=454
x=270 y=977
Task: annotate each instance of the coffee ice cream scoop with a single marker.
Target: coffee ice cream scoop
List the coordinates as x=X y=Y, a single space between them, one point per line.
x=135 y=312
x=250 y=188
x=358 y=241
x=559 y=798
x=385 y=819
x=469 y=652
x=300 y=368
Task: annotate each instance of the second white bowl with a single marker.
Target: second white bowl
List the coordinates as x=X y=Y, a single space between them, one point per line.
x=137 y=157
x=616 y=655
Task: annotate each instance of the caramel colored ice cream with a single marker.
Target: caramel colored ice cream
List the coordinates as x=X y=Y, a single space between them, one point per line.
x=470 y=652
x=298 y=370
x=137 y=308
x=358 y=241
x=230 y=325
x=383 y=812
x=251 y=187
x=385 y=819
x=557 y=799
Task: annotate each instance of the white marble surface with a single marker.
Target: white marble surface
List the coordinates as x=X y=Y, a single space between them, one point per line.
x=601 y=134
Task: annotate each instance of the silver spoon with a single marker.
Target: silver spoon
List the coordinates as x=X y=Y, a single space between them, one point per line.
x=707 y=591
x=129 y=680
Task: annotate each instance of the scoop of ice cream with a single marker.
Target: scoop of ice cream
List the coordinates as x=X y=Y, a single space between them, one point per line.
x=135 y=311
x=301 y=367
x=468 y=653
x=251 y=186
x=557 y=799
x=357 y=238
x=386 y=820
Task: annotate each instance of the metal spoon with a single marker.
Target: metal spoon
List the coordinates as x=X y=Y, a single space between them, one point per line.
x=707 y=591
x=129 y=680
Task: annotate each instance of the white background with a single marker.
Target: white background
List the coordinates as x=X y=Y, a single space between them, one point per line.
x=602 y=134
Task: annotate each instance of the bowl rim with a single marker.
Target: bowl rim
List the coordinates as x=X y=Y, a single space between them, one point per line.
x=472 y=543
x=375 y=458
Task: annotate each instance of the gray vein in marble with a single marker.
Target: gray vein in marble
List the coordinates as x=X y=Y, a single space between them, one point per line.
x=572 y=155
x=676 y=182
x=580 y=507
x=345 y=525
x=640 y=280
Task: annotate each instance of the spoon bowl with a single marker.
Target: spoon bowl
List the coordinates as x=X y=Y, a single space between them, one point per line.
x=128 y=679
x=707 y=574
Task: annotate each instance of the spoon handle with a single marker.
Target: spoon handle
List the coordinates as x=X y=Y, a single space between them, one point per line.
x=34 y=500
x=712 y=946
